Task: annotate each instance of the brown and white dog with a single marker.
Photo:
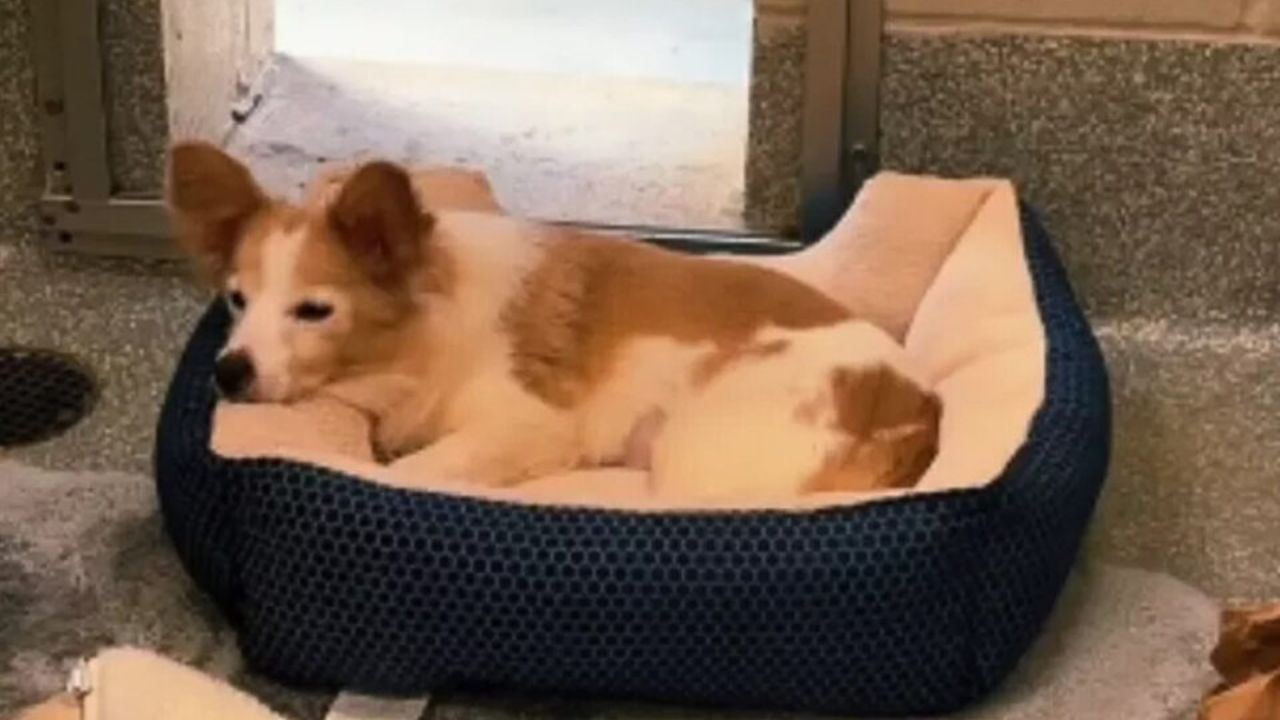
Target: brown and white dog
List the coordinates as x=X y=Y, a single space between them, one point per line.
x=496 y=349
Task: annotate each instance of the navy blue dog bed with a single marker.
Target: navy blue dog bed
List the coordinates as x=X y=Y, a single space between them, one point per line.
x=920 y=604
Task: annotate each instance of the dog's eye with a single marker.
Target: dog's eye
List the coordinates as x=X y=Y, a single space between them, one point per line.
x=236 y=300
x=312 y=311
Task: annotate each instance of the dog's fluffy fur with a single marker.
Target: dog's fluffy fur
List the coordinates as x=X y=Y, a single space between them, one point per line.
x=494 y=349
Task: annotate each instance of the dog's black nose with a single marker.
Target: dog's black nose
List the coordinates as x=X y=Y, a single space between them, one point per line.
x=233 y=374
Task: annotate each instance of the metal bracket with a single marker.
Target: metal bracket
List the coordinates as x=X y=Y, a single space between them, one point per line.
x=114 y=226
x=79 y=210
x=840 y=124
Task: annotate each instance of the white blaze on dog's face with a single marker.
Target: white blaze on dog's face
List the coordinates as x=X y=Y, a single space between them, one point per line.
x=286 y=324
x=314 y=291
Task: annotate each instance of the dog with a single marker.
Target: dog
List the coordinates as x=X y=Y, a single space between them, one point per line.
x=495 y=349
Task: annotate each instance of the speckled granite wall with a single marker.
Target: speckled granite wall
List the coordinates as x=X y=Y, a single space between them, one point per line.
x=19 y=142
x=1154 y=163
x=134 y=87
x=1124 y=143
x=773 y=135
x=1142 y=157
x=1193 y=485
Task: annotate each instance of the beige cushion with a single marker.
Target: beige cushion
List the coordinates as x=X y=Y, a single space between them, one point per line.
x=885 y=252
x=978 y=335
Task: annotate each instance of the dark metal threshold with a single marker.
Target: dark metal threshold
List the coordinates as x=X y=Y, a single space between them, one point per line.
x=140 y=227
x=695 y=240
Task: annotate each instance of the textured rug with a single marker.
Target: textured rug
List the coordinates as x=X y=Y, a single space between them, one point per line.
x=84 y=564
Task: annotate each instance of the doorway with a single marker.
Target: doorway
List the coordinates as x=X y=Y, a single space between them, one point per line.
x=630 y=116
x=618 y=113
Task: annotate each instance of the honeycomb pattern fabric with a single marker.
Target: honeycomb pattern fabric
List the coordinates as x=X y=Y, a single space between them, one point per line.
x=42 y=393
x=915 y=605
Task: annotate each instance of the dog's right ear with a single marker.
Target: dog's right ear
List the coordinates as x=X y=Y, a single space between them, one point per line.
x=211 y=197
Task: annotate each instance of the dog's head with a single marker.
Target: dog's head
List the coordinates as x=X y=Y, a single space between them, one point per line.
x=316 y=290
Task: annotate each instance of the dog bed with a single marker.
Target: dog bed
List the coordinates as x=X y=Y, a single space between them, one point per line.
x=892 y=603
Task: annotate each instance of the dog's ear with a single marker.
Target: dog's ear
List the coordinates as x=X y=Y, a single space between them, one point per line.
x=211 y=196
x=379 y=220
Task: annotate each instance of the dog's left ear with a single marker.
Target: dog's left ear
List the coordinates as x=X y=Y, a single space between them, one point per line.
x=211 y=197
x=379 y=220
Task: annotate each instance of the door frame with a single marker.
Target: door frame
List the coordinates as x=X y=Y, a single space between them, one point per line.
x=81 y=212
